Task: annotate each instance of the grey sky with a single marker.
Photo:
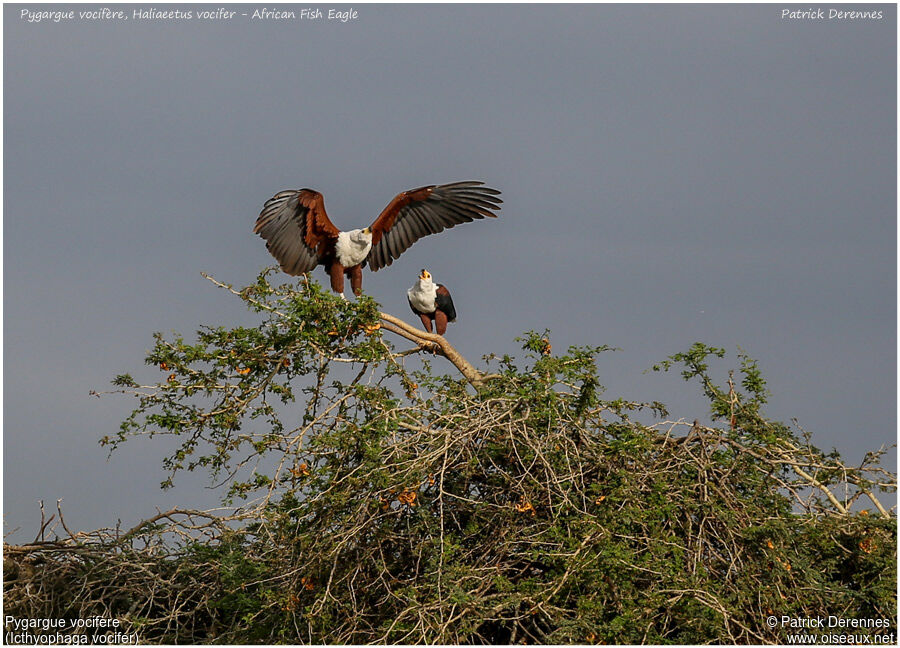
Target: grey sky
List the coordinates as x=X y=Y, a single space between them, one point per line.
x=670 y=174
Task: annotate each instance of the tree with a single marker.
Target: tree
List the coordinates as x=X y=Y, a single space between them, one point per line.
x=374 y=503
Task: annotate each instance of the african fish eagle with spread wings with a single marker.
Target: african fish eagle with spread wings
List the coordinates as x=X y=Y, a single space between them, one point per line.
x=300 y=236
x=431 y=301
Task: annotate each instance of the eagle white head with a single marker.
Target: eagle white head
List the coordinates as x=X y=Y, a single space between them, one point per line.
x=361 y=237
x=353 y=247
x=425 y=280
x=423 y=293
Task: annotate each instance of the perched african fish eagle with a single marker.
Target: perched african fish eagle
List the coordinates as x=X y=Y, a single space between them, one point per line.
x=431 y=301
x=300 y=236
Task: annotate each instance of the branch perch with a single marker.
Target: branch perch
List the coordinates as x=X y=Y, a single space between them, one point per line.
x=437 y=344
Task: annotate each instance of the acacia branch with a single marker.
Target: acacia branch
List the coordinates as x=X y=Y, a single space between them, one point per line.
x=437 y=344
x=242 y=295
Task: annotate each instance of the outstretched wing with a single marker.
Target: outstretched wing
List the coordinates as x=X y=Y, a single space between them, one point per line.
x=428 y=210
x=296 y=229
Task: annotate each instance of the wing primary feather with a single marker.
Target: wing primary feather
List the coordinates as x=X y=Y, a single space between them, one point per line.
x=402 y=237
x=428 y=220
x=429 y=210
x=416 y=224
x=285 y=223
x=425 y=216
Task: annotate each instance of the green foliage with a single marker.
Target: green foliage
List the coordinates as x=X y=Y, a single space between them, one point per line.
x=222 y=391
x=742 y=410
x=406 y=506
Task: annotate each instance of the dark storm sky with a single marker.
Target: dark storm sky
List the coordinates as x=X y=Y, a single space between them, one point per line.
x=671 y=174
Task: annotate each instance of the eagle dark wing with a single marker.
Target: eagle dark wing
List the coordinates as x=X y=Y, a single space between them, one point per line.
x=296 y=229
x=427 y=210
x=444 y=302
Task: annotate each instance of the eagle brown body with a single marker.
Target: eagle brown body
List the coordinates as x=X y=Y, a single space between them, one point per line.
x=299 y=234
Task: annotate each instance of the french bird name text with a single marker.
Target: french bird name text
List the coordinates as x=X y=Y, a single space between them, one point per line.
x=221 y=13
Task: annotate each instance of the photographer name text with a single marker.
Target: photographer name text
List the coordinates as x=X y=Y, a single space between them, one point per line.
x=830 y=14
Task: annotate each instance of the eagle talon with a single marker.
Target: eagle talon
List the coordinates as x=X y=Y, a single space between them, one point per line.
x=430 y=347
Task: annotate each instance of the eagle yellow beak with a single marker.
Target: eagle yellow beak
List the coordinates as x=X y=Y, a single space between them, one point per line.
x=425 y=275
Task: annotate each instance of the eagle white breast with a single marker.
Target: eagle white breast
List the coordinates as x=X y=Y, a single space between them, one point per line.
x=352 y=247
x=422 y=296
